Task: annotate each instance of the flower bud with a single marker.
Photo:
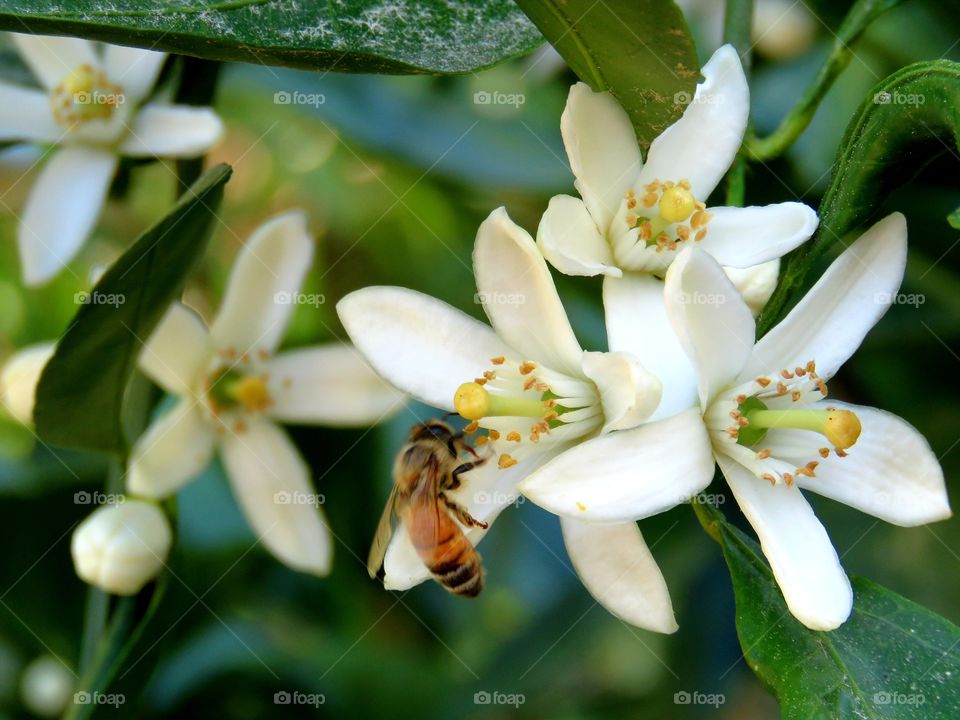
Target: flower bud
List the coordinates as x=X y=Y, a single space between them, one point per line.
x=755 y=284
x=120 y=548
x=46 y=686
x=19 y=378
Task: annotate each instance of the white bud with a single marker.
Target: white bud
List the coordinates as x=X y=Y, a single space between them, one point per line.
x=782 y=29
x=19 y=378
x=46 y=686
x=120 y=548
x=755 y=284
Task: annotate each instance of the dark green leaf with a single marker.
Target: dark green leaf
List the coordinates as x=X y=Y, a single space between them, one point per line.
x=81 y=391
x=640 y=51
x=907 y=120
x=409 y=36
x=891 y=659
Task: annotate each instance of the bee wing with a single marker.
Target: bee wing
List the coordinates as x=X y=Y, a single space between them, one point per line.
x=381 y=539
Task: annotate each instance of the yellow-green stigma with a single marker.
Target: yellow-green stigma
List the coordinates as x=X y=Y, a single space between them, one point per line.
x=84 y=95
x=234 y=389
x=676 y=205
x=840 y=427
x=473 y=402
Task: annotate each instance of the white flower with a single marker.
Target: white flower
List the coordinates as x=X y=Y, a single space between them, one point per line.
x=20 y=377
x=233 y=388
x=781 y=29
x=91 y=108
x=121 y=547
x=528 y=383
x=770 y=426
x=46 y=686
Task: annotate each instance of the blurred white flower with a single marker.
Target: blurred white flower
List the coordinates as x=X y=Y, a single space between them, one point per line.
x=19 y=379
x=46 y=686
x=121 y=547
x=233 y=389
x=528 y=383
x=782 y=29
x=92 y=108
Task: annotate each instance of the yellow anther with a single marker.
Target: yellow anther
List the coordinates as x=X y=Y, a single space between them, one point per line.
x=676 y=204
x=506 y=461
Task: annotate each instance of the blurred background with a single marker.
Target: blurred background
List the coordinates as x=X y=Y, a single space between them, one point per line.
x=396 y=173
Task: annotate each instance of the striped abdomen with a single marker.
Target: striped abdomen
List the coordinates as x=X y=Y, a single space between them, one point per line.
x=445 y=550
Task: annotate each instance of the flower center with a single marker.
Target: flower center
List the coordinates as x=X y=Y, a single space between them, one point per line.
x=520 y=404
x=237 y=389
x=85 y=94
x=678 y=218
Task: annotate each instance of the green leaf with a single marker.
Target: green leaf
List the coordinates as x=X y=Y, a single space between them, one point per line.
x=81 y=391
x=908 y=119
x=641 y=52
x=400 y=36
x=891 y=659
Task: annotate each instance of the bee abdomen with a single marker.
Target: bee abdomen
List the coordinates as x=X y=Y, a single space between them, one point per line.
x=462 y=575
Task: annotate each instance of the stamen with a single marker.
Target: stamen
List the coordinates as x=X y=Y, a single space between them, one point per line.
x=506 y=461
x=840 y=427
x=473 y=402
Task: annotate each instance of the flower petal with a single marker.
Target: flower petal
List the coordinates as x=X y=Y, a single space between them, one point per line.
x=891 y=472
x=172 y=131
x=519 y=296
x=135 y=69
x=417 y=343
x=330 y=385
x=271 y=482
x=20 y=377
x=174 y=450
x=603 y=151
x=177 y=351
x=755 y=284
x=52 y=58
x=800 y=553
x=628 y=393
x=62 y=209
x=832 y=319
x=569 y=239
x=711 y=320
x=742 y=237
x=701 y=145
x=615 y=565
x=266 y=274
x=25 y=115
x=627 y=475
x=637 y=323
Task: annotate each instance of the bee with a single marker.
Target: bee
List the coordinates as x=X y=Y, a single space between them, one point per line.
x=427 y=467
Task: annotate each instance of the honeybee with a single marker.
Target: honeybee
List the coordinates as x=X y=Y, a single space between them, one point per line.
x=429 y=465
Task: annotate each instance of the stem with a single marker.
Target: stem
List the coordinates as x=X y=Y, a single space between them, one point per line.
x=737 y=30
x=796 y=121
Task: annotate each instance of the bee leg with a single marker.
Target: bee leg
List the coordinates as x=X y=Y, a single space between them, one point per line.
x=462 y=514
x=454 y=481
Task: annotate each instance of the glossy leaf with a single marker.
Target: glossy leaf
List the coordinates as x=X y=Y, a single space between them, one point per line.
x=641 y=52
x=424 y=36
x=81 y=391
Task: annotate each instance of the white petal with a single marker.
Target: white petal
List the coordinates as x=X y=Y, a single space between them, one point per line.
x=800 y=553
x=701 y=145
x=628 y=393
x=25 y=115
x=172 y=131
x=755 y=284
x=519 y=296
x=832 y=319
x=271 y=483
x=266 y=275
x=568 y=237
x=52 y=58
x=133 y=68
x=62 y=209
x=615 y=565
x=603 y=151
x=330 y=385
x=20 y=377
x=637 y=323
x=741 y=237
x=417 y=343
x=891 y=472
x=711 y=320
x=629 y=474
x=174 y=450
x=177 y=351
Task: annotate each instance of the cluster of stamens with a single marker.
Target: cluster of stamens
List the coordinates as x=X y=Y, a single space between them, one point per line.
x=85 y=94
x=236 y=387
x=667 y=228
